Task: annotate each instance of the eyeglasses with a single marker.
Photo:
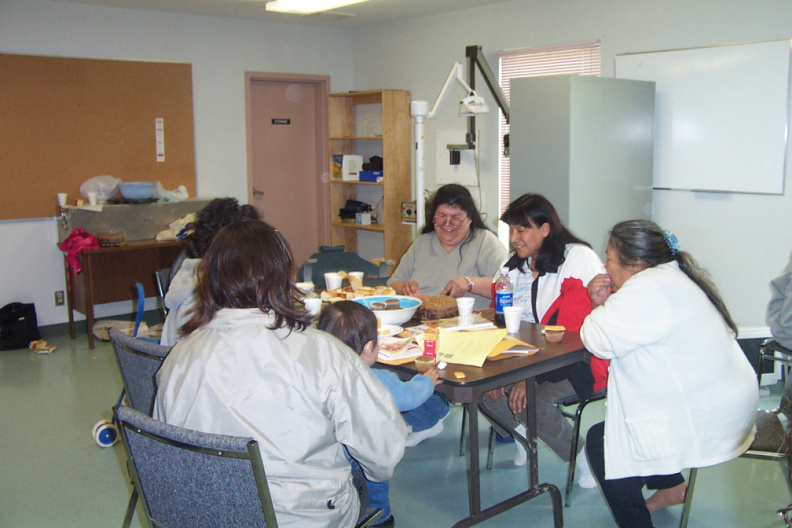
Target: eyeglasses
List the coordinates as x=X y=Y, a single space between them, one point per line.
x=457 y=219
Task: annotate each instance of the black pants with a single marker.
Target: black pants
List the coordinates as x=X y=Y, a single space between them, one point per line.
x=624 y=496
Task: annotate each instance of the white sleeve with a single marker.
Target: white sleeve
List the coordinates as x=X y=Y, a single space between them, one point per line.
x=629 y=320
x=582 y=263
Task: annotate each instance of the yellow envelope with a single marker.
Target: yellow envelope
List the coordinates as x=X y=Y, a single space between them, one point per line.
x=468 y=348
x=507 y=343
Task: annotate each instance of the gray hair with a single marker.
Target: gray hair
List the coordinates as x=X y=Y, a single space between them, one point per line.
x=643 y=242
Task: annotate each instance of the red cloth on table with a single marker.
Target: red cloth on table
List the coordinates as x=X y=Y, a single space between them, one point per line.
x=77 y=241
x=573 y=307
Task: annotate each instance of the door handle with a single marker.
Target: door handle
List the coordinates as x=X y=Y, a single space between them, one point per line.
x=256 y=192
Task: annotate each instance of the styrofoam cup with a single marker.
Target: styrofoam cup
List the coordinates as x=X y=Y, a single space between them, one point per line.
x=332 y=281
x=465 y=306
x=93 y=197
x=62 y=199
x=512 y=315
x=313 y=305
x=357 y=274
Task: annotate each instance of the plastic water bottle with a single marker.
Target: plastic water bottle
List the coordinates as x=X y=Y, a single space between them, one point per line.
x=504 y=291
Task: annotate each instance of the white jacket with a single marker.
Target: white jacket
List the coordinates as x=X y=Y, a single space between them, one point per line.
x=580 y=262
x=681 y=392
x=179 y=300
x=302 y=395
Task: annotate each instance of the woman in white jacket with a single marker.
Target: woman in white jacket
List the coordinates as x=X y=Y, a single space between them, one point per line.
x=252 y=365
x=681 y=392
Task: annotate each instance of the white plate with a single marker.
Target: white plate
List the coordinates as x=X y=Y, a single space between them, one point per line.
x=389 y=330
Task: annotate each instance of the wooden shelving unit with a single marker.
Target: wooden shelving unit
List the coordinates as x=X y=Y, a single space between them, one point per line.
x=391 y=141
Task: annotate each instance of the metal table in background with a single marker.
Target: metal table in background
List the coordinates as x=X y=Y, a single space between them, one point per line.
x=493 y=375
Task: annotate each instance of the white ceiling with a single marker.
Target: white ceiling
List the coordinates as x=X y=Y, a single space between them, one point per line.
x=369 y=13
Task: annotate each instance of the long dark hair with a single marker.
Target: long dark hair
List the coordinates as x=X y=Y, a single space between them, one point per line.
x=212 y=218
x=351 y=322
x=534 y=210
x=639 y=242
x=454 y=195
x=248 y=265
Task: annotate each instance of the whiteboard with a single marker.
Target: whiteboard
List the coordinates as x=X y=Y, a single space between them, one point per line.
x=721 y=115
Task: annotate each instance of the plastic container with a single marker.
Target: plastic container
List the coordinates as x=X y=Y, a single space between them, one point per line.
x=504 y=292
x=137 y=191
x=424 y=363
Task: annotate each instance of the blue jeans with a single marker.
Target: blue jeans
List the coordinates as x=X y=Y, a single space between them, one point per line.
x=377 y=492
x=428 y=413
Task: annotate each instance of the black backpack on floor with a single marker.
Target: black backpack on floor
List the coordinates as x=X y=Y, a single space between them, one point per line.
x=18 y=325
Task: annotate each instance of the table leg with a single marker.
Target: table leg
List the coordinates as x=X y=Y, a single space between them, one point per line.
x=473 y=469
x=534 y=489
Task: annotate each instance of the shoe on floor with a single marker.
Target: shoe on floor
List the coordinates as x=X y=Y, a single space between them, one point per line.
x=390 y=522
x=521 y=458
x=586 y=478
x=413 y=439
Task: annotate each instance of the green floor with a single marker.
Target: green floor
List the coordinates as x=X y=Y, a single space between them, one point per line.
x=52 y=474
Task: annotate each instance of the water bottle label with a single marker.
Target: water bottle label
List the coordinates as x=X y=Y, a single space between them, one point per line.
x=502 y=299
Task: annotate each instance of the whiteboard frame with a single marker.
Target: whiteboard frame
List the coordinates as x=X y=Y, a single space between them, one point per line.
x=730 y=139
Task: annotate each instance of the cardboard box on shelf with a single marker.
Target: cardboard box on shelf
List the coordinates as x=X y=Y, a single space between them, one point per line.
x=370 y=176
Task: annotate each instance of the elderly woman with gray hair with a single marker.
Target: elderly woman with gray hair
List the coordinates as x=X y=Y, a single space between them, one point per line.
x=681 y=393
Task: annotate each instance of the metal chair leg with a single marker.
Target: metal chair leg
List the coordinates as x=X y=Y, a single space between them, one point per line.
x=688 y=498
x=572 y=466
x=490 y=450
x=462 y=434
x=130 y=508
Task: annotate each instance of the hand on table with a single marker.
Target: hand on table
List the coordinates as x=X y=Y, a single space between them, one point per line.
x=456 y=287
x=434 y=375
x=599 y=289
x=409 y=288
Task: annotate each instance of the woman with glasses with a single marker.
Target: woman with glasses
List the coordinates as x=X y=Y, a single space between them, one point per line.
x=681 y=393
x=550 y=269
x=456 y=254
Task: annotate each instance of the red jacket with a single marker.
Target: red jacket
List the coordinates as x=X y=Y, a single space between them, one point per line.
x=573 y=307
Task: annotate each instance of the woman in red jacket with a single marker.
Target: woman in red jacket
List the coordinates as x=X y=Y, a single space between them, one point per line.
x=549 y=269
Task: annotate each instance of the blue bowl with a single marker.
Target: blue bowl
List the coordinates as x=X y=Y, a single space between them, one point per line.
x=137 y=191
x=405 y=312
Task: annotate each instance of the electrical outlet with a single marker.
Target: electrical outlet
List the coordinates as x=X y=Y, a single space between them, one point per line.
x=59 y=298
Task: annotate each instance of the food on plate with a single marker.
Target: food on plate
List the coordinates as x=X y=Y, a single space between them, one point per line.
x=405 y=333
x=391 y=330
x=424 y=363
x=553 y=333
x=377 y=306
x=350 y=293
x=437 y=307
x=392 y=346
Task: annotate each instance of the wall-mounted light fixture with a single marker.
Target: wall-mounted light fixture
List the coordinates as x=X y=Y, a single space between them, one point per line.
x=306 y=7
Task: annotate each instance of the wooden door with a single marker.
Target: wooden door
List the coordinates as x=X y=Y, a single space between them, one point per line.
x=287 y=157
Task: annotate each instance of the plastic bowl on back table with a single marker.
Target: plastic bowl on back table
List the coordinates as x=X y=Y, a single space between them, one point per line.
x=137 y=191
x=405 y=312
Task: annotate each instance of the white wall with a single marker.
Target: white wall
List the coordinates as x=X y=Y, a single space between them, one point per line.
x=220 y=50
x=743 y=240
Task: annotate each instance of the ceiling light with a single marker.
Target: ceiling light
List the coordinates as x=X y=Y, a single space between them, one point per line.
x=306 y=7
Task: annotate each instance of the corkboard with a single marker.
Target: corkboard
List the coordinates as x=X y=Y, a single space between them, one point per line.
x=64 y=120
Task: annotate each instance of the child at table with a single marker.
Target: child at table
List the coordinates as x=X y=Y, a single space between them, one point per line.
x=421 y=407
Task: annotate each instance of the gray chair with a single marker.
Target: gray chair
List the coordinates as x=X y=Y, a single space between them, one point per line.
x=773 y=441
x=162 y=278
x=138 y=362
x=772 y=350
x=188 y=478
x=335 y=258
